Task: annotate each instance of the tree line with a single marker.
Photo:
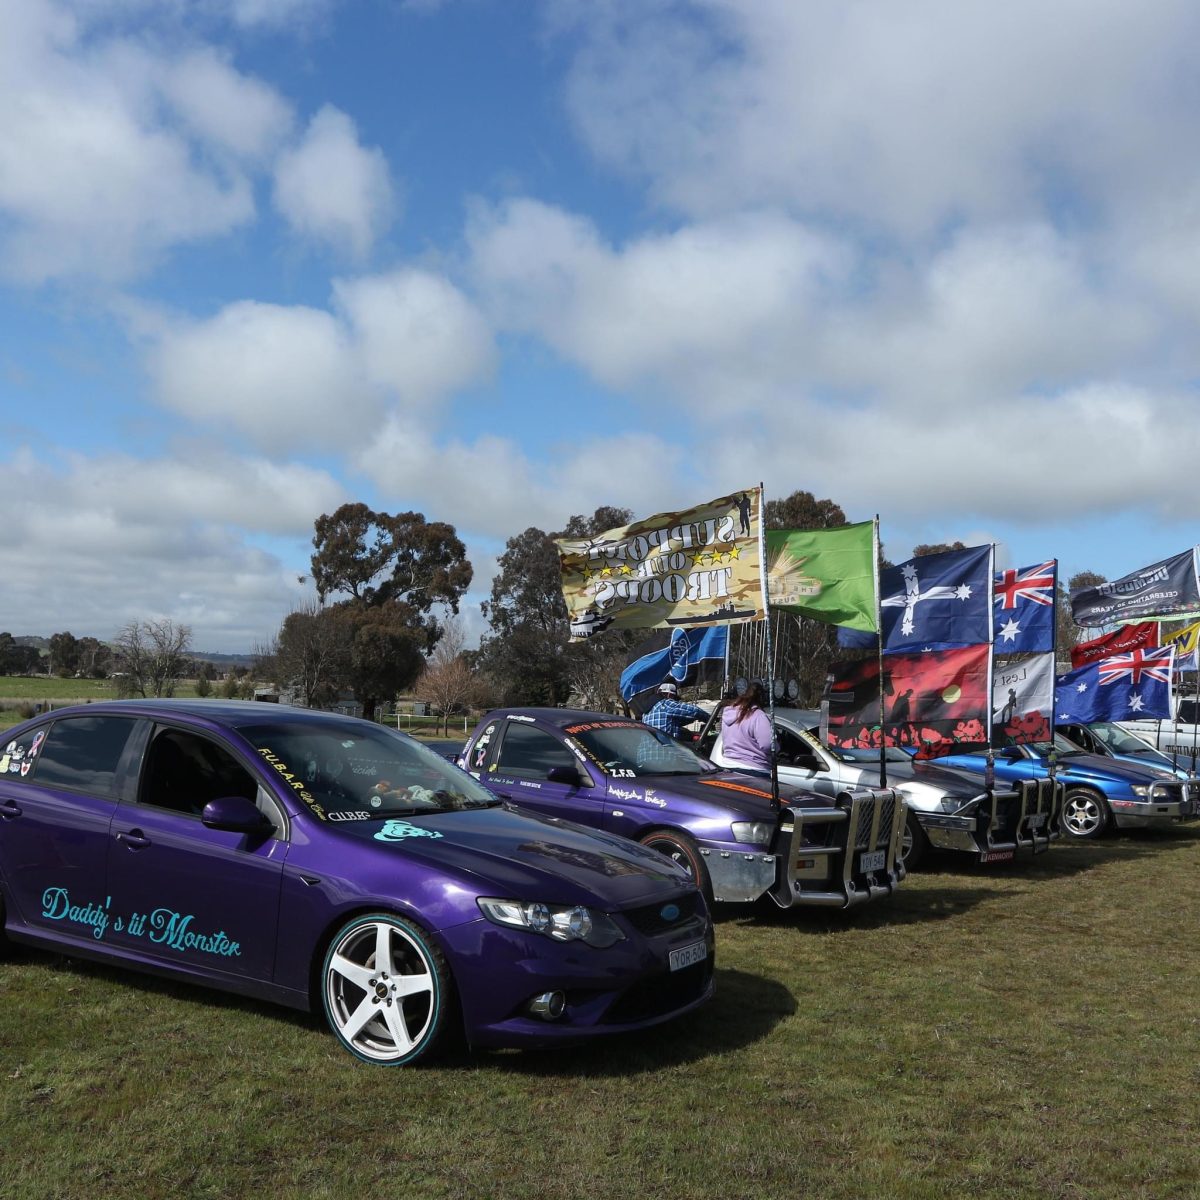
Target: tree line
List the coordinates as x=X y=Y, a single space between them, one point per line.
x=388 y=589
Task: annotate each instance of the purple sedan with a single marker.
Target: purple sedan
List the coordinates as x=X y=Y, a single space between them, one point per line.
x=330 y=864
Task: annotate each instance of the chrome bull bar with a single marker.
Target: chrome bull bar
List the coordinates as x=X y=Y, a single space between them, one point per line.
x=1038 y=806
x=869 y=853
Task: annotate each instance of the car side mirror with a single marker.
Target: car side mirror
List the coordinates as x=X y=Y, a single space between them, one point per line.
x=567 y=775
x=1010 y=754
x=235 y=814
x=807 y=762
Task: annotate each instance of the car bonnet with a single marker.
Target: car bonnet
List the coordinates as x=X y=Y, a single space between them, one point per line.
x=526 y=856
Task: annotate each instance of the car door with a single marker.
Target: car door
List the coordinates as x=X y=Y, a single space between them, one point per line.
x=59 y=790
x=199 y=899
x=520 y=766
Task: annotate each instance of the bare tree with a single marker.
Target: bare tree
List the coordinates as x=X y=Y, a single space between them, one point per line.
x=312 y=652
x=153 y=655
x=448 y=681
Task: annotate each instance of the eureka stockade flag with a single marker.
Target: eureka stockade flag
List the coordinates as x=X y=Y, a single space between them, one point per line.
x=938 y=601
x=701 y=566
x=826 y=574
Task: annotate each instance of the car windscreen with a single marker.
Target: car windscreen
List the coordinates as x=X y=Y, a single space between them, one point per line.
x=631 y=751
x=346 y=770
x=1120 y=741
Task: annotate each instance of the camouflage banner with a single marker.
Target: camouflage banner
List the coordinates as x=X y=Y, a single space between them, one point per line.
x=701 y=566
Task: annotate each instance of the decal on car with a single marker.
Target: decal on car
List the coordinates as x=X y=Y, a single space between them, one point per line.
x=735 y=787
x=167 y=926
x=295 y=783
x=397 y=831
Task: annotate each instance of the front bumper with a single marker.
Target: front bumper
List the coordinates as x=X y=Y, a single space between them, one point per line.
x=625 y=987
x=1025 y=817
x=841 y=857
x=1169 y=803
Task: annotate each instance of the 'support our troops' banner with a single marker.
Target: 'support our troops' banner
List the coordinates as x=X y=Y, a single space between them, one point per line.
x=697 y=567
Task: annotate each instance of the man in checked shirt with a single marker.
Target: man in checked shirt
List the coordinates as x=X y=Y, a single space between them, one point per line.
x=670 y=714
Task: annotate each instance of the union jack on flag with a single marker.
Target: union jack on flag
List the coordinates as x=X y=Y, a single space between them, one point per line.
x=1138 y=665
x=1025 y=599
x=1035 y=584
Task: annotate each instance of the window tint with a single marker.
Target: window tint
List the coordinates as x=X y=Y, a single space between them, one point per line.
x=1187 y=712
x=83 y=753
x=184 y=772
x=530 y=752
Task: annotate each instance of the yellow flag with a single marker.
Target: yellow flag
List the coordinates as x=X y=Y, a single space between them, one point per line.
x=701 y=566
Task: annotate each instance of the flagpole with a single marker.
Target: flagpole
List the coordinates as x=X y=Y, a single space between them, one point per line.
x=990 y=769
x=762 y=575
x=879 y=650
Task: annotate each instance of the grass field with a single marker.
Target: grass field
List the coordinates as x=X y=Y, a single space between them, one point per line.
x=1027 y=1032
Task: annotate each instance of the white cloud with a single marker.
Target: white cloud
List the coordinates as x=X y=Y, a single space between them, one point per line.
x=113 y=155
x=93 y=543
x=286 y=377
x=706 y=297
x=416 y=333
x=331 y=188
x=899 y=117
x=491 y=488
x=297 y=376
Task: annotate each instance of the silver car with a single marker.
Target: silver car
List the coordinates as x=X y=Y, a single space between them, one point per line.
x=947 y=809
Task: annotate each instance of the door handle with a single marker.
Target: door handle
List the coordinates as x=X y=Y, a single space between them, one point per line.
x=9 y=808
x=134 y=839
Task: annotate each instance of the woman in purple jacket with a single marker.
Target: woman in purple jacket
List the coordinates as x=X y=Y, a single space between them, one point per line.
x=746 y=732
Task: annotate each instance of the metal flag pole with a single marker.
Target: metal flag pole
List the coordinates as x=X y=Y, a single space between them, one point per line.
x=990 y=684
x=879 y=650
x=766 y=603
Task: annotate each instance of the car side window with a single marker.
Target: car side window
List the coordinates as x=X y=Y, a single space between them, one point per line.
x=80 y=753
x=530 y=753
x=791 y=746
x=183 y=772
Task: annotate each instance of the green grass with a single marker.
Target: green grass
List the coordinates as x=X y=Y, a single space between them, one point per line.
x=1027 y=1032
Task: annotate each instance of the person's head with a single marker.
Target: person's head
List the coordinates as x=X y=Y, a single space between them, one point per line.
x=667 y=690
x=753 y=697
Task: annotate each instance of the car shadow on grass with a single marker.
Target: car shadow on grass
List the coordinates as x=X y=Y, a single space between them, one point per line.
x=745 y=1009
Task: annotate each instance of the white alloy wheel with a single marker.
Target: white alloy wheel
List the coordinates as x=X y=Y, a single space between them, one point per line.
x=385 y=988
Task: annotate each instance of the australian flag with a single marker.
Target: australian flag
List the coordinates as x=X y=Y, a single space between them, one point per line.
x=1121 y=687
x=684 y=654
x=1025 y=598
x=938 y=601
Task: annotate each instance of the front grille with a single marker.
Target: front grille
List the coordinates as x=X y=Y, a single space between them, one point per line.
x=866 y=817
x=660 y=995
x=650 y=920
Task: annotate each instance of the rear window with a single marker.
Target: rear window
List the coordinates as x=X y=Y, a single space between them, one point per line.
x=82 y=753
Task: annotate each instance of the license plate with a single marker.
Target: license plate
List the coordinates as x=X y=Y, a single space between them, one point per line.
x=872 y=860
x=1036 y=820
x=686 y=956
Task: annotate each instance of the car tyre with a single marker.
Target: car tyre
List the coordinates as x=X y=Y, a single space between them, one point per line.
x=1085 y=815
x=681 y=848
x=386 y=989
x=914 y=843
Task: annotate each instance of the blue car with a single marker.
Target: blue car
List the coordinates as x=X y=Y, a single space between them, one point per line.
x=1101 y=793
x=1110 y=740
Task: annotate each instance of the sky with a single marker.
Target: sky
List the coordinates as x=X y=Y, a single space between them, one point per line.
x=504 y=261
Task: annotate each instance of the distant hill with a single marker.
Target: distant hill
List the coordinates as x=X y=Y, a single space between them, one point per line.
x=42 y=644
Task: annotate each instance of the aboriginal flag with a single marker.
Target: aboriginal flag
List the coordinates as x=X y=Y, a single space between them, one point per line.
x=935 y=702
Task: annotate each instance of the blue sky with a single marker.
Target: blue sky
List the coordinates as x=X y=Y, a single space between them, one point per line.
x=502 y=261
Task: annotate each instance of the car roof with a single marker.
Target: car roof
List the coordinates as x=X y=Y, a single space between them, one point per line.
x=230 y=713
x=559 y=718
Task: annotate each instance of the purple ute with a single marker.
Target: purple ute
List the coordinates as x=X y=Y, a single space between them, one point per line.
x=330 y=864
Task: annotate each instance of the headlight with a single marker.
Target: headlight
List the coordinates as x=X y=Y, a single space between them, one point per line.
x=757 y=833
x=1140 y=789
x=956 y=804
x=563 y=924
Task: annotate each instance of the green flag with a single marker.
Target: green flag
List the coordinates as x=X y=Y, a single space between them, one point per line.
x=827 y=574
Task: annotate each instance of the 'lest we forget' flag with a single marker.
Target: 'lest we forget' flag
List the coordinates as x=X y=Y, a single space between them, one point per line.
x=933 y=701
